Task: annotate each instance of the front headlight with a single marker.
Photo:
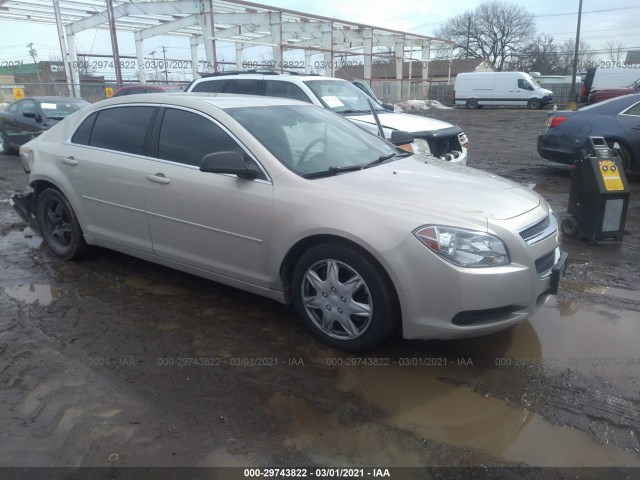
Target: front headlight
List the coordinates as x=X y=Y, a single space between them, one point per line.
x=421 y=147
x=465 y=248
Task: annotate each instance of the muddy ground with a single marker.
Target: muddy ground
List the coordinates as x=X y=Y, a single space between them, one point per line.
x=113 y=361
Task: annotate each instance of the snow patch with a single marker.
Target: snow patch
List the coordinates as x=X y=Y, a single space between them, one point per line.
x=419 y=106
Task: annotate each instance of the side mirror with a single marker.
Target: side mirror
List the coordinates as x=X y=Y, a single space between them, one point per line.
x=230 y=163
x=400 y=137
x=30 y=115
x=388 y=107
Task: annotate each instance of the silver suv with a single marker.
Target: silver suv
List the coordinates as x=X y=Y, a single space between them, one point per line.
x=432 y=137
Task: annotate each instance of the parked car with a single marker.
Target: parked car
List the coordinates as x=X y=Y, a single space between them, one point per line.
x=606 y=93
x=25 y=119
x=290 y=201
x=146 y=88
x=617 y=120
x=477 y=89
x=605 y=78
x=431 y=137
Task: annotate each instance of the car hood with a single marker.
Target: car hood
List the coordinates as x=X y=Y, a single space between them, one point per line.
x=403 y=121
x=420 y=184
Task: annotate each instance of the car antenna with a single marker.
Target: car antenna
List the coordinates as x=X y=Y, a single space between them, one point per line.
x=377 y=119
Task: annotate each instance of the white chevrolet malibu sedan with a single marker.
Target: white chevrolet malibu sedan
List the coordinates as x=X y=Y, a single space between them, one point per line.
x=293 y=202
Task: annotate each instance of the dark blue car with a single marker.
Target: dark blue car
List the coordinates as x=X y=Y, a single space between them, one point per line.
x=25 y=119
x=617 y=120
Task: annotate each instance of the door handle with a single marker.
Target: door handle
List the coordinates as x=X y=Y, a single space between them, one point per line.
x=158 y=178
x=69 y=161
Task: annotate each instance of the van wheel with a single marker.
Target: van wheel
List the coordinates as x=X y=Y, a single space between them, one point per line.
x=534 y=104
x=472 y=104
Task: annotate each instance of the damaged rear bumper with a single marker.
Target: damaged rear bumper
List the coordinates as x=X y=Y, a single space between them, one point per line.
x=25 y=206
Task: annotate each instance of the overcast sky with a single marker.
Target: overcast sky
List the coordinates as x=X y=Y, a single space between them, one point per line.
x=611 y=21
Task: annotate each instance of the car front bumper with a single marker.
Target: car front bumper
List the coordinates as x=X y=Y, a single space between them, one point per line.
x=442 y=301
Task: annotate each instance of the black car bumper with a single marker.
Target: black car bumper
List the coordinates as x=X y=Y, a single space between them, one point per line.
x=550 y=149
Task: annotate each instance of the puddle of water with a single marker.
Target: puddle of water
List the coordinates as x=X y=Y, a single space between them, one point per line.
x=325 y=441
x=154 y=288
x=32 y=293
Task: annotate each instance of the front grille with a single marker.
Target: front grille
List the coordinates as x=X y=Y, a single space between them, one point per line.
x=544 y=264
x=536 y=229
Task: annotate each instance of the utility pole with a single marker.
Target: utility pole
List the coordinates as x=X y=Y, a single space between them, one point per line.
x=468 y=35
x=164 y=57
x=573 y=97
x=33 y=54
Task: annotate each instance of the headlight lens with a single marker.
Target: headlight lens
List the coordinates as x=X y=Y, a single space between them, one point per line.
x=421 y=147
x=465 y=248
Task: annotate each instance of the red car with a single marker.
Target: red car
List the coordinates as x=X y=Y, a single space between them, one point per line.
x=144 y=88
x=606 y=93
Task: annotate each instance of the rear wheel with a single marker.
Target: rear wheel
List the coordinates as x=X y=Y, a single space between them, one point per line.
x=344 y=299
x=4 y=145
x=472 y=104
x=534 y=104
x=59 y=226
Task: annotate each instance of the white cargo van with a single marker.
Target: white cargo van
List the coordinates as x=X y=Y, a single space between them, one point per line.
x=476 y=89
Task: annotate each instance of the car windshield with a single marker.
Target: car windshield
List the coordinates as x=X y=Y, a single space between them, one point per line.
x=312 y=141
x=342 y=96
x=61 y=108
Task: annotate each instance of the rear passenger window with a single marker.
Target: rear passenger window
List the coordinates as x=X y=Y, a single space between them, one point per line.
x=186 y=137
x=122 y=129
x=285 y=90
x=83 y=132
x=213 y=86
x=246 y=87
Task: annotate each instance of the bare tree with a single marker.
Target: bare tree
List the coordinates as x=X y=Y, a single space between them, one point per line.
x=541 y=55
x=616 y=53
x=567 y=52
x=494 y=30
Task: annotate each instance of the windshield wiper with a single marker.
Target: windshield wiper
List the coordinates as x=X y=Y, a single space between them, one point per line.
x=384 y=158
x=331 y=171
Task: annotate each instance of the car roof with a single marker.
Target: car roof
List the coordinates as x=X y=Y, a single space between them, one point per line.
x=220 y=100
x=268 y=76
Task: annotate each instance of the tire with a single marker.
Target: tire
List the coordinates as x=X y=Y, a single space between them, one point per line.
x=534 y=104
x=472 y=104
x=59 y=226
x=569 y=227
x=4 y=146
x=625 y=155
x=344 y=299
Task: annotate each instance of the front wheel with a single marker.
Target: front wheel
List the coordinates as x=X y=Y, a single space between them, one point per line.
x=59 y=226
x=534 y=104
x=344 y=299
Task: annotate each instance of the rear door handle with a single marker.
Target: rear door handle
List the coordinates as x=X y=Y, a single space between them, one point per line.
x=158 y=178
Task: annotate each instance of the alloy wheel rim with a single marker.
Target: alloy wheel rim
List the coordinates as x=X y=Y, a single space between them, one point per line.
x=59 y=225
x=337 y=299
